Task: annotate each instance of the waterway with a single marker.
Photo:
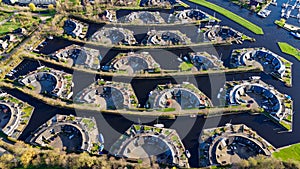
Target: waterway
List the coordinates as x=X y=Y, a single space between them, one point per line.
x=189 y=129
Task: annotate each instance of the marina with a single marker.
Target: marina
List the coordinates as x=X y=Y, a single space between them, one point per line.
x=126 y=134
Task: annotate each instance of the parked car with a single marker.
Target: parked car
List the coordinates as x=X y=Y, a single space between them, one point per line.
x=188 y=154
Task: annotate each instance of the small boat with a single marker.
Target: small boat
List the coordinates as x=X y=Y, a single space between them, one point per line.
x=288 y=14
x=159 y=125
x=41 y=67
x=101 y=138
x=264 y=13
x=193 y=115
x=274 y=2
x=101 y=148
x=188 y=154
x=254 y=77
x=296 y=34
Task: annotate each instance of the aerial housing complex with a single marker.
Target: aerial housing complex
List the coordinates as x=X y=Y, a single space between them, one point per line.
x=70 y=133
x=147 y=142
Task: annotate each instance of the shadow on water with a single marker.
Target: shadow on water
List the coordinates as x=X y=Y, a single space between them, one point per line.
x=112 y=126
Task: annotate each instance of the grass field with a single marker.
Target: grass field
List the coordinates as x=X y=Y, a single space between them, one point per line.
x=184 y=66
x=8 y=27
x=17 y=21
x=4 y=15
x=289 y=153
x=288 y=49
x=236 y=18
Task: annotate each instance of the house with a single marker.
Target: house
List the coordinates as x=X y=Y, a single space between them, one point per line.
x=3 y=44
x=42 y=3
x=73 y=28
x=19 y=30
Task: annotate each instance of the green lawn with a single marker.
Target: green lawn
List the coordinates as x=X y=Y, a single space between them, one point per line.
x=285 y=125
x=27 y=110
x=89 y=123
x=168 y=109
x=184 y=66
x=4 y=15
x=236 y=18
x=280 y=22
x=138 y=3
x=288 y=49
x=16 y=22
x=289 y=153
x=8 y=27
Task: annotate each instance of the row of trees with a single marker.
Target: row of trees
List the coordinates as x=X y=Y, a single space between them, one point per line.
x=263 y=162
x=22 y=155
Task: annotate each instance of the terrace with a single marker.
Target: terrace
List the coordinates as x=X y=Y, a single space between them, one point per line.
x=230 y=144
x=142 y=142
x=177 y=97
x=68 y=133
x=108 y=95
x=114 y=36
x=132 y=63
x=166 y=38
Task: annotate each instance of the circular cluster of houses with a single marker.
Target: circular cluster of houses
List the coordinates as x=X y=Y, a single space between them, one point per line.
x=143 y=17
x=132 y=63
x=189 y=15
x=269 y=61
x=114 y=36
x=108 y=95
x=221 y=34
x=50 y=82
x=79 y=56
x=144 y=142
x=258 y=94
x=74 y=134
x=230 y=144
x=205 y=61
x=178 y=96
x=166 y=38
x=14 y=115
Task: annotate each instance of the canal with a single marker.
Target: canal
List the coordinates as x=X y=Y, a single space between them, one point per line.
x=189 y=129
